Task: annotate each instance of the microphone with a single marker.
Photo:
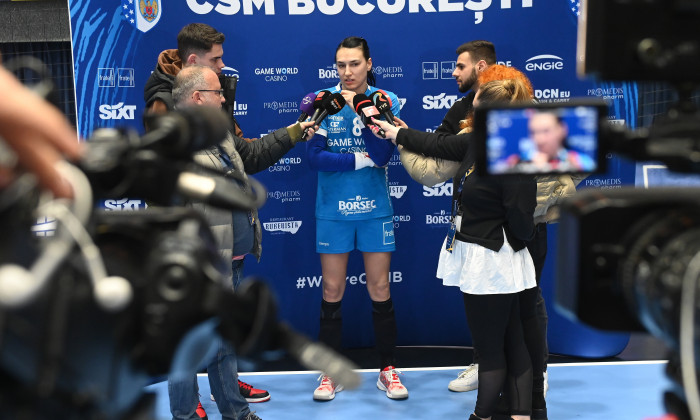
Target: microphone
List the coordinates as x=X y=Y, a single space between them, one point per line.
x=332 y=105
x=306 y=106
x=187 y=130
x=366 y=110
x=318 y=103
x=383 y=103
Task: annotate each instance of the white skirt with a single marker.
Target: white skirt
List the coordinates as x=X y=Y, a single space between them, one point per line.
x=478 y=270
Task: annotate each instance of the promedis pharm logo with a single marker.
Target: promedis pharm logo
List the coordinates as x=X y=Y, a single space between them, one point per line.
x=142 y=14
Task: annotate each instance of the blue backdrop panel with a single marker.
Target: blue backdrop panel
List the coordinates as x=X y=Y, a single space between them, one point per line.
x=282 y=49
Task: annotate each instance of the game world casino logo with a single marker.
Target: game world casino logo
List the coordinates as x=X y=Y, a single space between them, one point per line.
x=142 y=14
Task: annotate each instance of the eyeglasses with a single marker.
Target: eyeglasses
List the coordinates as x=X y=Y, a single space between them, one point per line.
x=219 y=91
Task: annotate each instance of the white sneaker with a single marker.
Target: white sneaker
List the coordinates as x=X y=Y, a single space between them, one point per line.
x=546 y=384
x=326 y=391
x=389 y=381
x=467 y=380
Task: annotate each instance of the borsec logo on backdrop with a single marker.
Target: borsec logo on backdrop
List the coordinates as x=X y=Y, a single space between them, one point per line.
x=544 y=62
x=142 y=14
x=440 y=218
x=330 y=73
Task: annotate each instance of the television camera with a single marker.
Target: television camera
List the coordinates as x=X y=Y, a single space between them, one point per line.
x=629 y=258
x=115 y=300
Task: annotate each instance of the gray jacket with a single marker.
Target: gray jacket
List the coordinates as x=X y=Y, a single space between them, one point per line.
x=246 y=158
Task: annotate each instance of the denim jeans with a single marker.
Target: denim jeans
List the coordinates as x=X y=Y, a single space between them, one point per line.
x=223 y=381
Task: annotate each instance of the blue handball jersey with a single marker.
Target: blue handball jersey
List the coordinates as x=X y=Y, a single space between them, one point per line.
x=354 y=194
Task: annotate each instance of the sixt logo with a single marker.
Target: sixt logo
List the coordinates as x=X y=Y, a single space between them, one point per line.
x=439 y=190
x=544 y=62
x=441 y=101
x=117 y=112
x=124 y=204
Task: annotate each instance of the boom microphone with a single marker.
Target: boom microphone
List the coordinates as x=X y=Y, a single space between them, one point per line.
x=306 y=106
x=332 y=105
x=383 y=103
x=366 y=110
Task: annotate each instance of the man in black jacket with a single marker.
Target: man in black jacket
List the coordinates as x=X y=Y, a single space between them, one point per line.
x=237 y=233
x=473 y=57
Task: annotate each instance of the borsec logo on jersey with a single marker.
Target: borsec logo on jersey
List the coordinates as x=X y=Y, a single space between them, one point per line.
x=142 y=14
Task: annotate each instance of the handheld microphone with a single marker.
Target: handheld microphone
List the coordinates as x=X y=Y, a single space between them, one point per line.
x=220 y=192
x=366 y=110
x=383 y=103
x=332 y=105
x=306 y=106
x=318 y=103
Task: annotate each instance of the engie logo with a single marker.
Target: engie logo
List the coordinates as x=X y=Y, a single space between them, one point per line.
x=544 y=62
x=441 y=218
x=397 y=191
x=440 y=190
x=117 y=112
x=124 y=204
x=279 y=226
x=441 y=101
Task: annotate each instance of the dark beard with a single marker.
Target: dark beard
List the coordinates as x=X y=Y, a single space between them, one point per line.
x=469 y=83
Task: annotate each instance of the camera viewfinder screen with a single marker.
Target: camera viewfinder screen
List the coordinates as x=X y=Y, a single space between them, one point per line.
x=544 y=140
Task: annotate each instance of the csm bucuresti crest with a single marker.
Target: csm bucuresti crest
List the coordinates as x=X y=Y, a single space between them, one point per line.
x=142 y=14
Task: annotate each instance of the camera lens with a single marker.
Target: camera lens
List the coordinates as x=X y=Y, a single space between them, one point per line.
x=661 y=245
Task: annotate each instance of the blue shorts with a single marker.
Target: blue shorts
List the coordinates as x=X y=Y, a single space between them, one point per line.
x=341 y=236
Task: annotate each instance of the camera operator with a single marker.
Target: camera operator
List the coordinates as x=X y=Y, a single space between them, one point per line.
x=38 y=134
x=238 y=233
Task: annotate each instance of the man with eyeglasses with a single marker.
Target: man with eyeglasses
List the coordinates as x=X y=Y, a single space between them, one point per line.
x=237 y=233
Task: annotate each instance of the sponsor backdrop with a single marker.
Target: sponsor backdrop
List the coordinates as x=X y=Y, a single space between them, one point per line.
x=282 y=49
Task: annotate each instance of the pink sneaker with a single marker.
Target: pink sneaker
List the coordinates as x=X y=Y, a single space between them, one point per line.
x=326 y=391
x=389 y=381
